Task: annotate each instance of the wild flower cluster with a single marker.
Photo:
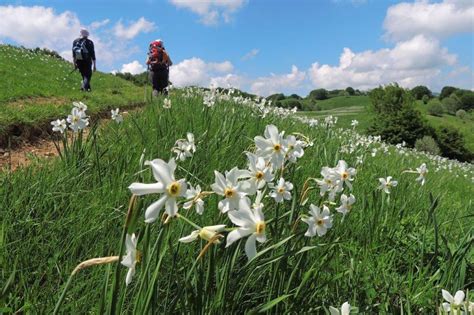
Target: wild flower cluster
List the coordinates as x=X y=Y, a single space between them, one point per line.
x=77 y=120
x=247 y=198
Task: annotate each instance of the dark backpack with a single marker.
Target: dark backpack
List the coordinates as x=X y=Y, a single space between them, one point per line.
x=80 y=50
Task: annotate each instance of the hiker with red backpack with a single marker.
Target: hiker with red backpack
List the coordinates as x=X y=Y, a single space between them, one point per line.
x=159 y=63
x=83 y=55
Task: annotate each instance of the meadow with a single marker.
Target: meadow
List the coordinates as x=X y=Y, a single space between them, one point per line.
x=390 y=253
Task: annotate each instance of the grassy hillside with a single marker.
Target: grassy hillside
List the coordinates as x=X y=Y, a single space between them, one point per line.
x=348 y=108
x=391 y=254
x=37 y=87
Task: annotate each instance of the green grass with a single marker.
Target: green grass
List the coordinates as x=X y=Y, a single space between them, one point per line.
x=36 y=88
x=388 y=255
x=355 y=107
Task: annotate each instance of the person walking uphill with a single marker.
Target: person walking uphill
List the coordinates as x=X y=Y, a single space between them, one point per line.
x=159 y=63
x=83 y=55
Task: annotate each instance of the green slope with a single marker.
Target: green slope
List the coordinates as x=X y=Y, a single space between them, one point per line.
x=36 y=88
x=348 y=108
x=391 y=253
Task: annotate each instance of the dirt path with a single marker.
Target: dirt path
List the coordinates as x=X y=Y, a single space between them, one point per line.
x=26 y=153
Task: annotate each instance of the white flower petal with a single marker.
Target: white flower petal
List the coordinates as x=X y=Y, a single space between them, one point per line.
x=153 y=210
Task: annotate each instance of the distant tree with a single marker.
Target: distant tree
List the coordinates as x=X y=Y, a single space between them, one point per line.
x=318 y=94
x=295 y=96
x=467 y=100
x=419 y=91
x=395 y=118
x=452 y=144
x=436 y=109
x=276 y=97
x=446 y=91
x=451 y=104
x=425 y=99
x=350 y=90
x=292 y=103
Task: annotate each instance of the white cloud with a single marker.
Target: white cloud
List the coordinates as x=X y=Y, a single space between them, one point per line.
x=98 y=24
x=211 y=11
x=416 y=61
x=196 y=71
x=133 y=29
x=251 y=54
x=229 y=80
x=278 y=83
x=405 y=20
x=38 y=26
x=133 y=67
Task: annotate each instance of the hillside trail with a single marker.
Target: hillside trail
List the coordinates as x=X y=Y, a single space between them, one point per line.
x=41 y=149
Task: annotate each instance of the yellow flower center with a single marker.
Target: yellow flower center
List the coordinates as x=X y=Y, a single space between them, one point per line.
x=277 y=147
x=174 y=189
x=75 y=119
x=281 y=190
x=259 y=175
x=229 y=193
x=207 y=235
x=328 y=181
x=320 y=222
x=138 y=256
x=345 y=175
x=261 y=227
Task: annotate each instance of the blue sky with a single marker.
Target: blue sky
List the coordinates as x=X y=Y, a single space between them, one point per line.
x=264 y=46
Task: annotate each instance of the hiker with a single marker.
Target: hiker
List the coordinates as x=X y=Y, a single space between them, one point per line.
x=83 y=55
x=159 y=63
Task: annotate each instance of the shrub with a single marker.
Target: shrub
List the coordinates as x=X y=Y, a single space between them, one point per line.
x=395 y=118
x=452 y=144
x=276 y=97
x=467 y=100
x=319 y=94
x=427 y=144
x=446 y=91
x=425 y=99
x=436 y=109
x=419 y=91
x=350 y=90
x=295 y=96
x=451 y=104
x=461 y=114
x=310 y=106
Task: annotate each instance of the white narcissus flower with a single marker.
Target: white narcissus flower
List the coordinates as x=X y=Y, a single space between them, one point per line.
x=329 y=183
x=318 y=222
x=185 y=148
x=294 y=148
x=452 y=302
x=132 y=257
x=387 y=184
x=207 y=233
x=59 y=125
x=77 y=120
x=281 y=191
x=251 y=223
x=422 y=170
x=354 y=123
x=230 y=188
x=167 y=103
x=272 y=147
x=259 y=173
x=166 y=184
x=80 y=106
x=345 y=309
x=116 y=116
x=346 y=204
x=194 y=198
x=344 y=174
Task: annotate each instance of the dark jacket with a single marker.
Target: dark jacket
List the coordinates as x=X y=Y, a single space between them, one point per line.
x=89 y=45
